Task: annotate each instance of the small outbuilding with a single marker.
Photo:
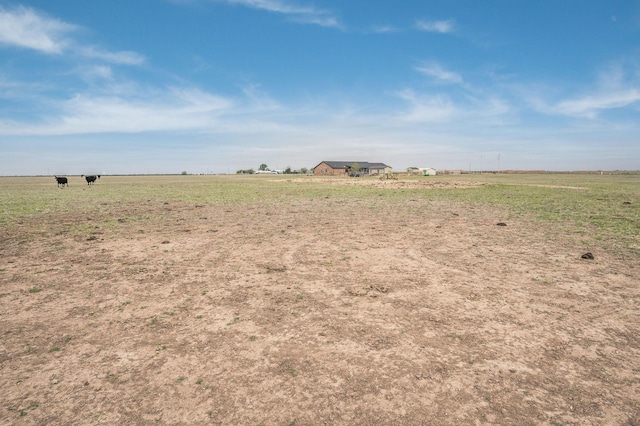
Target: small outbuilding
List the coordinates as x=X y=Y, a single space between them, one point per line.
x=428 y=171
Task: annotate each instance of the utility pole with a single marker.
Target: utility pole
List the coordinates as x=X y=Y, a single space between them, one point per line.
x=498 y=163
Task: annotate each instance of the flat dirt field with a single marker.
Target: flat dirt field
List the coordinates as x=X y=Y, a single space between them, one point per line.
x=311 y=301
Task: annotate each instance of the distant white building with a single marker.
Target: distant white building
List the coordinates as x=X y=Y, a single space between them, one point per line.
x=428 y=171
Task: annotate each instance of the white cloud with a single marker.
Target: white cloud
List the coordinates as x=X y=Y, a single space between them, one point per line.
x=18 y=90
x=383 y=29
x=442 y=27
x=258 y=99
x=274 y=6
x=427 y=108
x=435 y=70
x=617 y=87
x=323 y=21
x=123 y=57
x=493 y=106
x=470 y=111
x=302 y=14
x=590 y=106
x=173 y=109
x=95 y=73
x=26 y=28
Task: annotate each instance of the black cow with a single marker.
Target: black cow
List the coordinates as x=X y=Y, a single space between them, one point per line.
x=91 y=179
x=62 y=181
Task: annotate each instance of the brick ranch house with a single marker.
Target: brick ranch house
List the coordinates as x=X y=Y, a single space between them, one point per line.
x=342 y=168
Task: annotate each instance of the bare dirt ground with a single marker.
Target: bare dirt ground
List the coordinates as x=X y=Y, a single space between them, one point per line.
x=314 y=312
x=397 y=183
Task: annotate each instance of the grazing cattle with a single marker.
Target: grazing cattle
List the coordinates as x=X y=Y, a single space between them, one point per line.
x=62 y=181
x=91 y=179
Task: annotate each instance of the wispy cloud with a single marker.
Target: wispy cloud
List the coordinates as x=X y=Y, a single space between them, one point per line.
x=23 y=27
x=29 y=29
x=435 y=70
x=618 y=86
x=383 y=29
x=162 y=110
x=590 y=106
x=442 y=27
x=480 y=104
x=258 y=99
x=427 y=108
x=122 y=57
x=95 y=73
x=297 y=13
x=112 y=106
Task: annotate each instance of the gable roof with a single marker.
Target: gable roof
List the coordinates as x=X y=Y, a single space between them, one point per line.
x=377 y=166
x=349 y=164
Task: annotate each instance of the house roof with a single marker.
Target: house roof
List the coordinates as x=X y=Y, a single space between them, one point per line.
x=349 y=164
x=377 y=166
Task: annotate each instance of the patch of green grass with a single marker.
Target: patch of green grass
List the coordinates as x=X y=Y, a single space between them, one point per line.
x=35 y=290
x=112 y=377
x=23 y=412
x=604 y=206
x=543 y=281
x=234 y=321
x=55 y=349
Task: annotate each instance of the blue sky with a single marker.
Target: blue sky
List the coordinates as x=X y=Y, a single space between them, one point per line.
x=213 y=86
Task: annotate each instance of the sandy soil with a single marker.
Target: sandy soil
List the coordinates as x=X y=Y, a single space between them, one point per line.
x=394 y=183
x=314 y=312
